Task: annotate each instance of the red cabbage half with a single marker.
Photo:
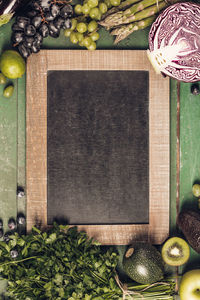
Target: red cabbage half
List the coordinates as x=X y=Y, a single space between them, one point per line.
x=174 y=42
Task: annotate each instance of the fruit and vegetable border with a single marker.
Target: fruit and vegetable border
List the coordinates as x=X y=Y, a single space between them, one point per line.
x=63 y=263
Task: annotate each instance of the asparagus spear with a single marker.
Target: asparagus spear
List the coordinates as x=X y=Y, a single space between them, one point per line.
x=123 y=31
x=135 y=13
x=122 y=5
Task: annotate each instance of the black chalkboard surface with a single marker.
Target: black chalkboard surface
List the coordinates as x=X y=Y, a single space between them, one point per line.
x=98 y=147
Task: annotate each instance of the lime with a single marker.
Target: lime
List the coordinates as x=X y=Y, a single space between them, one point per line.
x=12 y=64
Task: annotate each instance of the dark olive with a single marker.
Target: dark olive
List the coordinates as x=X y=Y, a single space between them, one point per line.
x=11 y=224
x=44 y=30
x=21 y=220
x=36 y=21
x=23 y=50
x=18 y=37
x=55 y=10
x=195 y=89
x=22 y=22
x=14 y=253
x=30 y=30
x=20 y=191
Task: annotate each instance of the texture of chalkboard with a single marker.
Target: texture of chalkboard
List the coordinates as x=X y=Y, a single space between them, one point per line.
x=98 y=147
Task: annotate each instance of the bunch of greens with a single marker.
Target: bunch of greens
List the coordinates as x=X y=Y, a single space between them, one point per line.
x=62 y=263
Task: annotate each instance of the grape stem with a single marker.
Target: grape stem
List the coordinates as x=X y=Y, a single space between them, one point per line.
x=42 y=15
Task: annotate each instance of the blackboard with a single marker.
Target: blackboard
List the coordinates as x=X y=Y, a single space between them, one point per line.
x=97 y=147
x=101 y=163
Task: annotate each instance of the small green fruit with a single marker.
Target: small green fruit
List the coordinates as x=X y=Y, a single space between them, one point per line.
x=189 y=288
x=2 y=79
x=12 y=64
x=175 y=251
x=8 y=91
x=196 y=190
x=143 y=263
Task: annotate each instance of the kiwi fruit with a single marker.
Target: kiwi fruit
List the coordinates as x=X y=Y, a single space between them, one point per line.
x=175 y=251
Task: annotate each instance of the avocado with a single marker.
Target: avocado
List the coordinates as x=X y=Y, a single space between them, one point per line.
x=188 y=222
x=143 y=263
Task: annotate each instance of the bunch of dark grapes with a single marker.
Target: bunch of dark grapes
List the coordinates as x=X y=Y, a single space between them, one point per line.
x=42 y=18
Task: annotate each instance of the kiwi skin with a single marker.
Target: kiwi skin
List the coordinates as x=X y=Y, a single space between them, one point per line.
x=175 y=251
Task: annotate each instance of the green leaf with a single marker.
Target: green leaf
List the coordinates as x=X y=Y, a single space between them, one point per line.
x=25 y=251
x=58 y=279
x=35 y=229
x=20 y=242
x=51 y=238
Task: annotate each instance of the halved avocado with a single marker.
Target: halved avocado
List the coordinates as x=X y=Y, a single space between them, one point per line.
x=175 y=251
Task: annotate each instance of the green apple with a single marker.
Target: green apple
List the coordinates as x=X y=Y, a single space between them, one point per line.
x=190 y=285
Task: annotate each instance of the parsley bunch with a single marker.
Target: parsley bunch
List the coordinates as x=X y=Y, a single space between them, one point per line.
x=61 y=263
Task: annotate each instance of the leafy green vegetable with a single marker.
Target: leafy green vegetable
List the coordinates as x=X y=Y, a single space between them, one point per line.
x=62 y=263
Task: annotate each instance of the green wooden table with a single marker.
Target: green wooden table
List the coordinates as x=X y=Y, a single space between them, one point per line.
x=184 y=138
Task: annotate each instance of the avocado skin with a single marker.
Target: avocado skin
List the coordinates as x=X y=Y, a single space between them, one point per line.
x=145 y=257
x=189 y=223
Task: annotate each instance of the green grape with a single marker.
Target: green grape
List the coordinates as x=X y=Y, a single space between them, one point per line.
x=196 y=190
x=85 y=9
x=81 y=27
x=79 y=36
x=87 y=41
x=115 y=2
x=95 y=36
x=67 y=32
x=92 y=46
x=74 y=23
x=92 y=26
x=78 y=9
x=94 y=13
x=93 y=3
x=8 y=91
x=103 y=8
x=99 y=16
x=2 y=79
x=73 y=38
x=107 y=2
x=81 y=43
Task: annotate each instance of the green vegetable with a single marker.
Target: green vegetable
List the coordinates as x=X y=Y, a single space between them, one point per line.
x=64 y=263
x=137 y=16
x=146 y=8
x=123 y=31
x=59 y=264
x=122 y=5
x=143 y=263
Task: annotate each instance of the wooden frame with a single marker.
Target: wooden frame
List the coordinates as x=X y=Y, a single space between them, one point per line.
x=36 y=140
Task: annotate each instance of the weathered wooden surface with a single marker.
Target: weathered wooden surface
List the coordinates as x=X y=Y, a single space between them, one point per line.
x=189 y=132
x=38 y=66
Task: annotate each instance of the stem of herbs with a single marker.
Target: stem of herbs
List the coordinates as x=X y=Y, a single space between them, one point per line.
x=18 y=261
